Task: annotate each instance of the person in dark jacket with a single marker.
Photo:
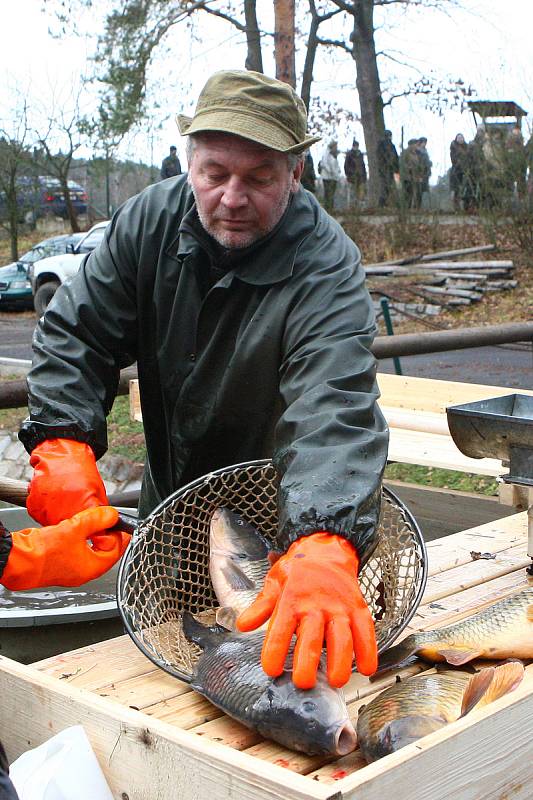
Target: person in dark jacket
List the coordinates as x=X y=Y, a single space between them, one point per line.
x=58 y=555
x=308 y=179
x=355 y=171
x=245 y=307
x=170 y=166
x=388 y=169
x=459 y=169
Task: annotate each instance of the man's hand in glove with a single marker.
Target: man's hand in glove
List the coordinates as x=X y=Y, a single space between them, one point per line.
x=61 y=555
x=312 y=591
x=65 y=480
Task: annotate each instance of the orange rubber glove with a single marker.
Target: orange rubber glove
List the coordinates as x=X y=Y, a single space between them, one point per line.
x=65 y=480
x=313 y=591
x=61 y=555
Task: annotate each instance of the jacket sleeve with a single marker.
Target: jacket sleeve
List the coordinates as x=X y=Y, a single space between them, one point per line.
x=331 y=441
x=86 y=336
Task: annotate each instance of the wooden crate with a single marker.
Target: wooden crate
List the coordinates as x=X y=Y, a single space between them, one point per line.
x=157 y=739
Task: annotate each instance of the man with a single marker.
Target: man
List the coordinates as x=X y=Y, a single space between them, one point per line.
x=425 y=167
x=58 y=555
x=331 y=173
x=308 y=179
x=355 y=171
x=412 y=173
x=244 y=305
x=388 y=169
x=170 y=166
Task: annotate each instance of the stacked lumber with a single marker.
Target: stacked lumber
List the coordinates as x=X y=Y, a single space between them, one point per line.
x=424 y=284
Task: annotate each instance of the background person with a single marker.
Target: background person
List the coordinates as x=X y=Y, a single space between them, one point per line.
x=245 y=307
x=170 y=166
x=308 y=179
x=331 y=174
x=355 y=171
x=459 y=168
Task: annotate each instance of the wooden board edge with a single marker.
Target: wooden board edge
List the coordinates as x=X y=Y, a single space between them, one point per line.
x=133 y=747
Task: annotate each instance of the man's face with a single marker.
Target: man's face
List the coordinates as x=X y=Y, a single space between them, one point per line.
x=241 y=188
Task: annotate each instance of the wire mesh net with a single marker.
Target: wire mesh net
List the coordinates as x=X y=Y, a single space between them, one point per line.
x=166 y=568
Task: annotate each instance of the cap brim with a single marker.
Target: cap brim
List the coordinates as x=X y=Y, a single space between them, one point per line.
x=267 y=135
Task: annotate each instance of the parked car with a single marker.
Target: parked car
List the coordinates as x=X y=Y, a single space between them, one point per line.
x=15 y=284
x=41 y=196
x=48 y=274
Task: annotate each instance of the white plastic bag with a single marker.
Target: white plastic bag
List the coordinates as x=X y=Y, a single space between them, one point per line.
x=62 y=768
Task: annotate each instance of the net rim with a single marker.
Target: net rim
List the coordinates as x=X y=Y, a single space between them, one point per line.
x=141 y=525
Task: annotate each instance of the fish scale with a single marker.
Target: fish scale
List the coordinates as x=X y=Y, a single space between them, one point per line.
x=503 y=630
x=229 y=671
x=411 y=709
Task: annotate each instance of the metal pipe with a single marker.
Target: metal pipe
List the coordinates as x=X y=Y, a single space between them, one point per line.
x=411 y=344
x=14 y=394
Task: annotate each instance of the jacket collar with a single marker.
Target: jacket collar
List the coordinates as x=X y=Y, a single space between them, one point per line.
x=267 y=261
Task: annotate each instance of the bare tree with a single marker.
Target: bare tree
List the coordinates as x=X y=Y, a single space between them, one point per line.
x=15 y=162
x=55 y=148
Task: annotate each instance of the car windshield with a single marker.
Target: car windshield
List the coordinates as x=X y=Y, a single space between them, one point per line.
x=41 y=251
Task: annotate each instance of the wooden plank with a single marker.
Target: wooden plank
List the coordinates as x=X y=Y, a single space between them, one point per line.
x=426 y=421
x=464 y=265
x=436 y=450
x=99 y=664
x=476 y=573
x=445 y=554
x=135 y=401
x=141 y=757
x=426 y=394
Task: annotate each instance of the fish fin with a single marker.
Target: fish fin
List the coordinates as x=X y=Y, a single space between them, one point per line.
x=398 y=654
x=506 y=678
x=201 y=635
x=475 y=689
x=236 y=578
x=529 y=613
x=458 y=656
x=226 y=617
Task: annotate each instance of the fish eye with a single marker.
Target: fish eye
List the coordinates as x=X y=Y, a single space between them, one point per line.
x=309 y=706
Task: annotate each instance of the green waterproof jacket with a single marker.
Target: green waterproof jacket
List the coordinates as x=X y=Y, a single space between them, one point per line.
x=272 y=360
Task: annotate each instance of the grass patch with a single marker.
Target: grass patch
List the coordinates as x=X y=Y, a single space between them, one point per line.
x=126 y=438
x=442 y=478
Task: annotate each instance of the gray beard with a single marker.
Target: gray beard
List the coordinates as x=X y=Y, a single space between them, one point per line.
x=280 y=209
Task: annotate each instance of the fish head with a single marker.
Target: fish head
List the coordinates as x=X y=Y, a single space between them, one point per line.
x=232 y=536
x=397 y=733
x=314 y=721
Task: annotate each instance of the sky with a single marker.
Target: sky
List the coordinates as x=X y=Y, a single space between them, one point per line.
x=486 y=43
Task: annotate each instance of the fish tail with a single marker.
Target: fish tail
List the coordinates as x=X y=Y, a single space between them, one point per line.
x=491 y=683
x=200 y=634
x=399 y=653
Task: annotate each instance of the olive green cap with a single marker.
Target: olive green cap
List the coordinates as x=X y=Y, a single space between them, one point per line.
x=251 y=105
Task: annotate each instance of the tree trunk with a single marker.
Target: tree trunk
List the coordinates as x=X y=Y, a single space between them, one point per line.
x=71 y=214
x=284 y=41
x=369 y=90
x=13 y=217
x=310 y=53
x=254 y=58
